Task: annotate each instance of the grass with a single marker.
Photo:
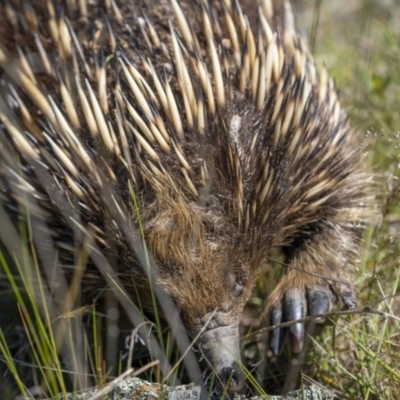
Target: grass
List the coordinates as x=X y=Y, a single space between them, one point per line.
x=64 y=344
x=357 y=356
x=35 y=319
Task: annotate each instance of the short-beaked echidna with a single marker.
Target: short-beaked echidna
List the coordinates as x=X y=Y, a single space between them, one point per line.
x=204 y=123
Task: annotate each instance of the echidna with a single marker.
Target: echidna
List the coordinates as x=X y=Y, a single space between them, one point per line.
x=202 y=126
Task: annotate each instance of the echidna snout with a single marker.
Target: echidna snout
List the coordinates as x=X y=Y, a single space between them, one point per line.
x=220 y=347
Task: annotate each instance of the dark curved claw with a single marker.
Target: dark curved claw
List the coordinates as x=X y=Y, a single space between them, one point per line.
x=298 y=303
x=319 y=303
x=294 y=309
x=349 y=300
x=277 y=335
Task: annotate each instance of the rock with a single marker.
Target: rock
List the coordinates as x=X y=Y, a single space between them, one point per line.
x=310 y=393
x=138 y=389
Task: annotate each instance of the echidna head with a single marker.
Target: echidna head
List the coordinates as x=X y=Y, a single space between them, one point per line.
x=207 y=272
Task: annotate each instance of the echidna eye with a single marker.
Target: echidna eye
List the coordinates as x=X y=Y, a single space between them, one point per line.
x=238 y=290
x=236 y=287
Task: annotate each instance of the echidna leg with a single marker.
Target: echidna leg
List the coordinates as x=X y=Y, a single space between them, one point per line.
x=318 y=272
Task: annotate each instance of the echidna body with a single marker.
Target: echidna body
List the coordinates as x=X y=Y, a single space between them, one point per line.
x=206 y=124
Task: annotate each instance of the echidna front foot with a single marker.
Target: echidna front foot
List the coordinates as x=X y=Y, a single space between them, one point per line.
x=296 y=298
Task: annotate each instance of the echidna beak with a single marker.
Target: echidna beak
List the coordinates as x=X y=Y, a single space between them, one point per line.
x=220 y=347
x=232 y=377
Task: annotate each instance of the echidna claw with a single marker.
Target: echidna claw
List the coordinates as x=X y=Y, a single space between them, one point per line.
x=296 y=337
x=319 y=303
x=349 y=300
x=277 y=335
x=294 y=309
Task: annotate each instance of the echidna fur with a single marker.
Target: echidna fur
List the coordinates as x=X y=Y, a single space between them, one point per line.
x=202 y=126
